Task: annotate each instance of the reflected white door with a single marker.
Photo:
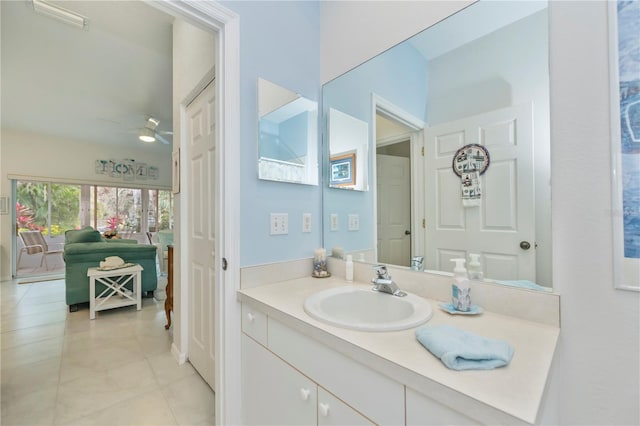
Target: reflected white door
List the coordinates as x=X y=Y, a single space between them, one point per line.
x=201 y=210
x=505 y=218
x=394 y=209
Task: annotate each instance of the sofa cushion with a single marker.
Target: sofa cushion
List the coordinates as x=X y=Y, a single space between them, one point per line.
x=84 y=235
x=120 y=240
x=96 y=252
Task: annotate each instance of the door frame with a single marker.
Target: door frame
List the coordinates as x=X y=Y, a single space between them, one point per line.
x=226 y=23
x=396 y=113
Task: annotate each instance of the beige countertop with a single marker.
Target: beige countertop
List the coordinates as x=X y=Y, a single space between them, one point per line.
x=510 y=394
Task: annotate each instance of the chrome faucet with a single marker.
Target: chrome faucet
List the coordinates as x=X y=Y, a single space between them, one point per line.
x=383 y=283
x=417 y=263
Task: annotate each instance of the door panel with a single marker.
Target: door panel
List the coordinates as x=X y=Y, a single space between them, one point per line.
x=394 y=209
x=201 y=151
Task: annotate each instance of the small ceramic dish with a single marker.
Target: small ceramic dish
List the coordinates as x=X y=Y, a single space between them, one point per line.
x=449 y=308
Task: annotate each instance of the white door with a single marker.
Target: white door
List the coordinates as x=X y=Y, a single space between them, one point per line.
x=200 y=150
x=394 y=209
x=504 y=223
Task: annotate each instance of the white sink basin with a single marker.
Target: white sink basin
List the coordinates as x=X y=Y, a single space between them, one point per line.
x=361 y=308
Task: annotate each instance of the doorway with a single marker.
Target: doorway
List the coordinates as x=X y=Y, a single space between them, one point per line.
x=399 y=181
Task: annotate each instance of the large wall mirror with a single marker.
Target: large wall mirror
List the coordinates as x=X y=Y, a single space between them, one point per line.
x=288 y=140
x=478 y=78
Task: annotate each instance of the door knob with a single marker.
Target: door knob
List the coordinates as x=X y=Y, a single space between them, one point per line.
x=525 y=245
x=407 y=232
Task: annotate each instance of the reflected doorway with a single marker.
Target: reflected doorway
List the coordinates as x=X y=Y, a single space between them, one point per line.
x=394 y=201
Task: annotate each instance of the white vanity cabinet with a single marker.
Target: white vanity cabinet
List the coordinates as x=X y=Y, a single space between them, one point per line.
x=274 y=393
x=424 y=411
x=385 y=378
x=288 y=378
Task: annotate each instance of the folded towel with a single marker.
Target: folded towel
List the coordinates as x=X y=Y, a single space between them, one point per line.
x=112 y=262
x=462 y=350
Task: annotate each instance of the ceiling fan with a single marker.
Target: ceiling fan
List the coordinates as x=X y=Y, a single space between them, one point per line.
x=149 y=134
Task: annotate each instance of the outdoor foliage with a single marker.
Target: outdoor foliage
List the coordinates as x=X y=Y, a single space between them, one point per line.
x=32 y=207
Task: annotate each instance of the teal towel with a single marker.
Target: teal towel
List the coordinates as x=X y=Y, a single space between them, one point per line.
x=462 y=350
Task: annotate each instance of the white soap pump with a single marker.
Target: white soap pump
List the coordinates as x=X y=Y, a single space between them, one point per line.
x=348 y=267
x=475 y=268
x=461 y=288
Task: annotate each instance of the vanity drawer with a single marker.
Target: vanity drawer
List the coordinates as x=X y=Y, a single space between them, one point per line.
x=378 y=397
x=254 y=324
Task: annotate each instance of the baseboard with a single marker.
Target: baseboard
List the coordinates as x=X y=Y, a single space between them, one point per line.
x=181 y=357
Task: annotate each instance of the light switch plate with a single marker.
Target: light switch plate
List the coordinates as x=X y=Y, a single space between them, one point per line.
x=306 y=222
x=354 y=222
x=279 y=224
x=334 y=221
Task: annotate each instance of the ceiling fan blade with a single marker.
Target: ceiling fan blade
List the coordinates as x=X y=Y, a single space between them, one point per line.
x=162 y=139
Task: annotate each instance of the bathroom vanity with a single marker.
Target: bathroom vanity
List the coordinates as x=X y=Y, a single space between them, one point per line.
x=297 y=370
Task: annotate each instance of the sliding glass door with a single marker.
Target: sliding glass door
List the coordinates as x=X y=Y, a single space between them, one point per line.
x=52 y=208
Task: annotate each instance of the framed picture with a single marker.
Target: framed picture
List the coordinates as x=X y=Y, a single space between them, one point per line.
x=4 y=205
x=342 y=169
x=175 y=172
x=624 y=63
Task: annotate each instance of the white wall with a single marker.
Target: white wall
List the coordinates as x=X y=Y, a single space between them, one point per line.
x=596 y=372
x=62 y=160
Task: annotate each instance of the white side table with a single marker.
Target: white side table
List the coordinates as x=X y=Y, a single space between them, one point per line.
x=114 y=296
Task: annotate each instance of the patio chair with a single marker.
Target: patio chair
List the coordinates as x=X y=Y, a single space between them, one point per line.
x=34 y=243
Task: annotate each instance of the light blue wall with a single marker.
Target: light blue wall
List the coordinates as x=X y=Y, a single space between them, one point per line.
x=280 y=42
x=398 y=76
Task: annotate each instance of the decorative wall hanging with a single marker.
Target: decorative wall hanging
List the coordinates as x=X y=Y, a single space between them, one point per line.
x=469 y=163
x=624 y=64
x=343 y=170
x=127 y=169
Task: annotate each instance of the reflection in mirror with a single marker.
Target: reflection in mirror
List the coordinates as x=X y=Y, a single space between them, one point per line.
x=478 y=77
x=287 y=144
x=348 y=148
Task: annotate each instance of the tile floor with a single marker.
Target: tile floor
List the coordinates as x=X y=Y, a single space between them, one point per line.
x=60 y=368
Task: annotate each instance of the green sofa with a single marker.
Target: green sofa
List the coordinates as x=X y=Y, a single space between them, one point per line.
x=85 y=248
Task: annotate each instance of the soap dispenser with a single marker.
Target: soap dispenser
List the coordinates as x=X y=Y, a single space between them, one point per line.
x=348 y=266
x=461 y=288
x=475 y=268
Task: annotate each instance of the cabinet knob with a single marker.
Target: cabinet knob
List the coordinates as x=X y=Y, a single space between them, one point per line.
x=324 y=409
x=250 y=317
x=304 y=393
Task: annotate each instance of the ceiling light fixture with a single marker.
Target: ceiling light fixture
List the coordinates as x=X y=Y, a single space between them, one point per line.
x=61 y=14
x=147 y=135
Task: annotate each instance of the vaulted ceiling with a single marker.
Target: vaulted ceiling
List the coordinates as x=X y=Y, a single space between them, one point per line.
x=98 y=85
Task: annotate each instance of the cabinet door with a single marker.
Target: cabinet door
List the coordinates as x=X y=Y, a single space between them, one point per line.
x=333 y=412
x=423 y=411
x=273 y=393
